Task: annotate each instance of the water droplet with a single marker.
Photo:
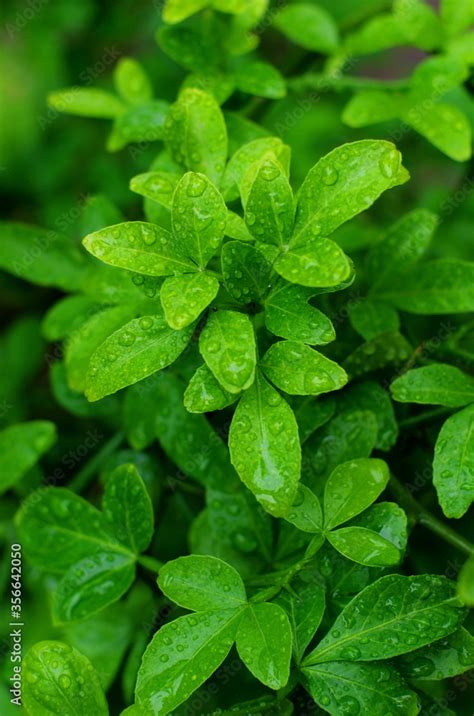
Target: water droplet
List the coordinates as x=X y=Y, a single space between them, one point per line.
x=329 y=175
x=196 y=185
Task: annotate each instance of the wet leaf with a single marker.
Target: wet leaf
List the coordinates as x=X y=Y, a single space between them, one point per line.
x=305 y=512
x=128 y=508
x=288 y=315
x=364 y=546
x=205 y=394
x=245 y=157
x=304 y=605
x=442 y=660
x=269 y=207
x=453 y=469
x=21 y=446
x=156 y=185
x=132 y=82
x=437 y=384
x=246 y=272
x=309 y=26
x=319 y=264
x=184 y=298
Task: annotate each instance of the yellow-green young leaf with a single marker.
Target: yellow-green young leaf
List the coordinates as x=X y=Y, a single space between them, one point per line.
x=59 y=680
x=437 y=384
x=127 y=508
x=288 y=315
x=351 y=488
x=371 y=107
x=419 y=23
x=139 y=246
x=246 y=272
x=21 y=446
x=319 y=264
x=341 y=687
x=264 y=643
x=139 y=123
x=385 y=349
x=184 y=298
x=466 y=583
x=181 y=656
x=227 y=344
x=364 y=546
x=138 y=349
x=236 y=227
x=442 y=660
x=436 y=76
x=175 y=11
x=311 y=373
x=305 y=512
x=40 y=256
x=260 y=79
x=264 y=447
x=372 y=318
x=308 y=26
x=230 y=6
x=392 y=616
x=269 y=209
x=457 y=16
x=131 y=81
x=246 y=156
x=198 y=217
x=378 y=33
x=58 y=529
x=156 y=185
x=435 y=287
x=92 y=584
x=453 y=464
x=202 y=583
x=403 y=245
x=304 y=605
x=205 y=394
x=343 y=183
x=196 y=134
x=442 y=124
x=86 y=102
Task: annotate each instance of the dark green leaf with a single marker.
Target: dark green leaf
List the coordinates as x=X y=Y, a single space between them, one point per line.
x=128 y=508
x=311 y=372
x=453 y=467
x=437 y=384
x=288 y=314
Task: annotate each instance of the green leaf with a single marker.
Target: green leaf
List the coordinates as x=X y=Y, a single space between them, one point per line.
x=175 y=11
x=269 y=208
x=304 y=605
x=364 y=546
x=264 y=643
x=181 y=656
x=371 y=107
x=269 y=467
x=156 y=185
x=140 y=123
x=442 y=660
x=139 y=246
x=466 y=583
x=205 y=394
x=311 y=372
x=341 y=687
x=456 y=15
x=246 y=272
x=368 y=395
x=351 y=488
x=201 y=583
x=388 y=520
x=436 y=76
x=92 y=584
x=138 y=413
x=437 y=384
x=196 y=134
x=378 y=33
x=66 y=315
x=372 y=318
x=320 y=263
x=288 y=315
x=343 y=183
x=227 y=344
x=184 y=298
x=306 y=513
x=453 y=464
x=198 y=216
x=86 y=102
x=260 y=79
x=131 y=81
x=236 y=228
x=246 y=156
x=312 y=413
x=419 y=23
x=128 y=508
x=138 y=349
x=40 y=256
x=21 y=446
x=308 y=26
x=444 y=125
x=385 y=349
x=53 y=684
x=392 y=616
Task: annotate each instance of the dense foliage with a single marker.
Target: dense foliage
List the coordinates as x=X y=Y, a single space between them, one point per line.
x=237 y=444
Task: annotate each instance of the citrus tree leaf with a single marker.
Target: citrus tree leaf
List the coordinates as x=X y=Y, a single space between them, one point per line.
x=288 y=315
x=305 y=512
x=158 y=186
x=128 y=509
x=184 y=298
x=442 y=660
x=246 y=156
x=246 y=272
x=269 y=208
x=372 y=318
x=437 y=384
x=320 y=264
x=453 y=469
x=205 y=394
x=260 y=79
x=304 y=605
x=364 y=546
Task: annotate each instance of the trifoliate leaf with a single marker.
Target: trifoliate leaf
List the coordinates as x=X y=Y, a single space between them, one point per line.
x=309 y=26
x=264 y=447
x=205 y=394
x=288 y=315
x=364 y=546
x=86 y=102
x=21 y=446
x=437 y=384
x=388 y=520
x=134 y=352
x=453 y=464
x=184 y=298
x=311 y=373
x=132 y=82
x=264 y=643
x=128 y=509
x=320 y=264
x=201 y=583
x=351 y=488
x=227 y=344
x=269 y=208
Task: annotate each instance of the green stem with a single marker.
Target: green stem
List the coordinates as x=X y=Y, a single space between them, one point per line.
x=150 y=563
x=425 y=518
x=424 y=417
x=338 y=83
x=82 y=478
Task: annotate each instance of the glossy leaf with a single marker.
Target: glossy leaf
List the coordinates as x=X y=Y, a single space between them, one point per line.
x=260 y=79
x=364 y=546
x=264 y=643
x=453 y=469
x=245 y=157
x=21 y=446
x=227 y=344
x=86 y=102
x=385 y=349
x=269 y=208
x=369 y=107
x=311 y=372
x=392 y=616
x=372 y=318
x=201 y=583
x=156 y=185
x=305 y=512
x=184 y=298
x=205 y=394
x=132 y=82
x=128 y=508
x=309 y=26
x=369 y=395
x=466 y=583
x=445 y=126
x=269 y=468
x=351 y=488
x=442 y=660
x=178 y=10
x=289 y=315
x=319 y=264
x=386 y=519
x=437 y=384
x=304 y=605
x=54 y=678
x=246 y=272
